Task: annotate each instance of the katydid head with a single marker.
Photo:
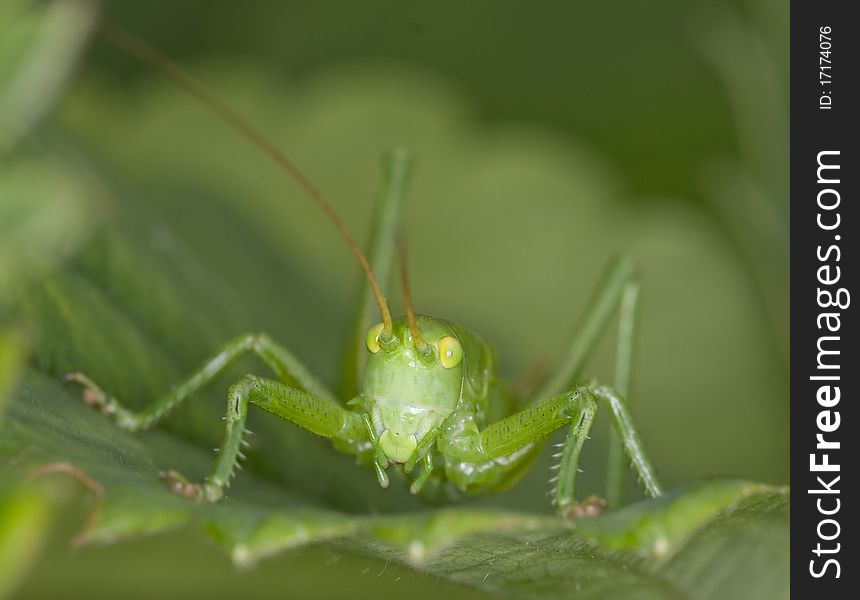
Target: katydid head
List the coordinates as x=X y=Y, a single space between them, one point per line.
x=411 y=389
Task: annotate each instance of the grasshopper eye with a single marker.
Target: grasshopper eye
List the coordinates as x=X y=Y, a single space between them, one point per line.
x=450 y=352
x=372 y=339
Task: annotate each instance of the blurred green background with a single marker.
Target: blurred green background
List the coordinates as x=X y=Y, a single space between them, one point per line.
x=550 y=136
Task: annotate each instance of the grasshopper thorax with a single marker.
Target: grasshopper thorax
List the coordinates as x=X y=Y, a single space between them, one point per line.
x=411 y=389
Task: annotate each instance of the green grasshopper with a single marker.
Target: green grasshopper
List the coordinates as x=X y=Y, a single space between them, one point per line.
x=431 y=405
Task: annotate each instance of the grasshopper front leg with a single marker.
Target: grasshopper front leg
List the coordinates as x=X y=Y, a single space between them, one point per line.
x=318 y=415
x=618 y=292
x=505 y=440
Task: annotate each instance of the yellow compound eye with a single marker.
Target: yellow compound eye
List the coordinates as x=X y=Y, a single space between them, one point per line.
x=450 y=352
x=372 y=339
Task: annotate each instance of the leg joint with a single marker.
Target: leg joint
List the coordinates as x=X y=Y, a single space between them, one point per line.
x=260 y=339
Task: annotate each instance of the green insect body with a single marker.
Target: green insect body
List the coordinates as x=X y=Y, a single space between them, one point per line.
x=431 y=405
x=444 y=396
x=410 y=394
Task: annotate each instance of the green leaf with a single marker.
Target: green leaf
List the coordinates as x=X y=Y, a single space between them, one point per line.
x=24 y=520
x=673 y=545
x=45 y=207
x=46 y=212
x=205 y=241
x=39 y=44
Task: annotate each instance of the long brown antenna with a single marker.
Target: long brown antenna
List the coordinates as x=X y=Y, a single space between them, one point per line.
x=407 y=294
x=97 y=490
x=127 y=41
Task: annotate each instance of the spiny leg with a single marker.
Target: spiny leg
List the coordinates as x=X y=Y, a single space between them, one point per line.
x=630 y=441
x=627 y=317
x=584 y=408
x=506 y=438
x=548 y=410
x=318 y=415
x=278 y=358
x=534 y=423
x=619 y=290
